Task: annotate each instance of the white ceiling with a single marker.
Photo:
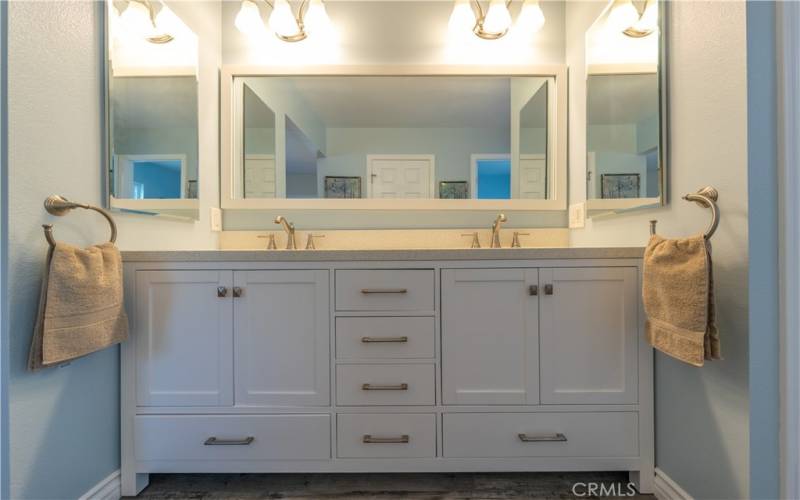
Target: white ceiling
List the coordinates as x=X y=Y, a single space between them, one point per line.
x=618 y=99
x=429 y=102
x=154 y=102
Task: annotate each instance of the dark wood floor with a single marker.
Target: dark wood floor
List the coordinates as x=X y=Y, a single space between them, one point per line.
x=379 y=486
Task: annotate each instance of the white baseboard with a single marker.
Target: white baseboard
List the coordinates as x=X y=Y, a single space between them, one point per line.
x=667 y=489
x=109 y=488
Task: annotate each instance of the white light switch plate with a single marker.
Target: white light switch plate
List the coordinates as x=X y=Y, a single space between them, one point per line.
x=577 y=215
x=216 y=219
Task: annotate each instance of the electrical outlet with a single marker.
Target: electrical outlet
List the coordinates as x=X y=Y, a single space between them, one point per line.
x=577 y=215
x=216 y=219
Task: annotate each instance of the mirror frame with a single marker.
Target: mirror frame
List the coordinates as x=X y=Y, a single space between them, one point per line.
x=228 y=136
x=597 y=207
x=151 y=207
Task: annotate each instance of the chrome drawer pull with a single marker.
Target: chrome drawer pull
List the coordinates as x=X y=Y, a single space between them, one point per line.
x=541 y=438
x=383 y=290
x=374 y=387
x=368 y=340
x=370 y=439
x=213 y=441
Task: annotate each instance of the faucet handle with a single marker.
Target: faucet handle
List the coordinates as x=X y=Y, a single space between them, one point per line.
x=476 y=243
x=310 y=241
x=515 y=242
x=271 y=245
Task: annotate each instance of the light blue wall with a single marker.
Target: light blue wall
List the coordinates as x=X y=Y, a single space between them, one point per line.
x=4 y=469
x=348 y=148
x=702 y=414
x=763 y=248
x=64 y=422
x=159 y=140
x=259 y=141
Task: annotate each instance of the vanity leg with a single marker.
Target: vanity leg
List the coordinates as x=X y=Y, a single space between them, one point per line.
x=643 y=480
x=133 y=483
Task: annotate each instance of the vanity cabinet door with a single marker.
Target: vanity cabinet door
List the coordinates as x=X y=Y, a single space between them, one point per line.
x=490 y=343
x=183 y=335
x=589 y=335
x=282 y=355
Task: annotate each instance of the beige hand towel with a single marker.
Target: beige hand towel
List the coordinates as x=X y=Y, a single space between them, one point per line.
x=678 y=293
x=80 y=307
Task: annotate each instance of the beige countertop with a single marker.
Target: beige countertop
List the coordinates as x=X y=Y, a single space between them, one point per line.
x=382 y=255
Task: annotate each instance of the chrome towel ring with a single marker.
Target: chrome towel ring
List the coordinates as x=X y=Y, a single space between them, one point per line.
x=58 y=205
x=707 y=198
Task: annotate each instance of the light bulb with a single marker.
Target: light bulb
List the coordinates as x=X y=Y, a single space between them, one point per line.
x=248 y=20
x=316 y=19
x=136 y=20
x=531 y=19
x=649 y=20
x=281 y=20
x=623 y=15
x=462 y=19
x=497 y=19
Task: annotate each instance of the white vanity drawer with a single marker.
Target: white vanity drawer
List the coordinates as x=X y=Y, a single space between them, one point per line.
x=381 y=337
x=608 y=434
x=385 y=435
x=384 y=290
x=385 y=384
x=232 y=437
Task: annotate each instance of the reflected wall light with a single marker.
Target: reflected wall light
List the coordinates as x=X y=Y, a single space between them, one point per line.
x=632 y=20
x=495 y=22
x=311 y=17
x=139 y=19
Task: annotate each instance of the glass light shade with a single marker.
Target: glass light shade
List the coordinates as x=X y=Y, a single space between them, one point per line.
x=498 y=19
x=136 y=20
x=248 y=20
x=462 y=19
x=316 y=19
x=167 y=23
x=531 y=19
x=281 y=20
x=649 y=20
x=623 y=15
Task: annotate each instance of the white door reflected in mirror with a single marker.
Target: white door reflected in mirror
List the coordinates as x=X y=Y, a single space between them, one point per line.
x=394 y=137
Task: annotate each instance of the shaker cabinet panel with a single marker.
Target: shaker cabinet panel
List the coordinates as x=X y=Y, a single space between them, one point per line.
x=589 y=335
x=282 y=355
x=490 y=343
x=183 y=335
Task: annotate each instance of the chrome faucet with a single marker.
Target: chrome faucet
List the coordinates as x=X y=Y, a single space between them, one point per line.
x=291 y=243
x=496 y=231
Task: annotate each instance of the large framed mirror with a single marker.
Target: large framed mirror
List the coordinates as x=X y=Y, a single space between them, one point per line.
x=394 y=138
x=626 y=160
x=152 y=114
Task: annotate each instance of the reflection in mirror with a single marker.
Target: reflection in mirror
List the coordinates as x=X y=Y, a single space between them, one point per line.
x=153 y=118
x=154 y=147
x=411 y=137
x=624 y=157
x=259 y=147
x=622 y=136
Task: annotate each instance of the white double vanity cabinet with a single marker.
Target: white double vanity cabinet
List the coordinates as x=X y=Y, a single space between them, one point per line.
x=386 y=361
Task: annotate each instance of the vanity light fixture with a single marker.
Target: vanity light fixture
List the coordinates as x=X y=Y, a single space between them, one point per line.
x=495 y=21
x=311 y=17
x=632 y=21
x=140 y=19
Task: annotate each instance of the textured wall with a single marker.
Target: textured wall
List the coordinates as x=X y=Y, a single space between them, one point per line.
x=64 y=422
x=701 y=414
